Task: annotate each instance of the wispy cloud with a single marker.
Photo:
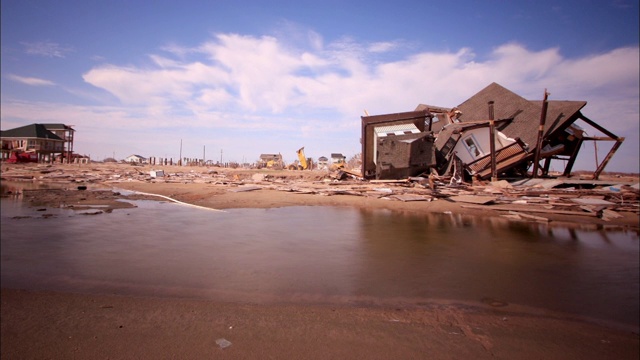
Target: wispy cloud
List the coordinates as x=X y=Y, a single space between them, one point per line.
x=47 y=49
x=381 y=47
x=30 y=80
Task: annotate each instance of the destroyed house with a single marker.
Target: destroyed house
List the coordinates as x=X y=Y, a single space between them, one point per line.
x=560 y=139
x=495 y=132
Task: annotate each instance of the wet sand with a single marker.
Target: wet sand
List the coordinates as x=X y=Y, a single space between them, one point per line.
x=39 y=325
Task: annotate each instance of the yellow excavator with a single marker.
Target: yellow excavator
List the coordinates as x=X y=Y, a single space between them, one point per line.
x=304 y=163
x=275 y=163
x=339 y=165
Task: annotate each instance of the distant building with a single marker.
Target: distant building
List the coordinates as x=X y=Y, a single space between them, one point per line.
x=38 y=143
x=323 y=163
x=136 y=159
x=338 y=158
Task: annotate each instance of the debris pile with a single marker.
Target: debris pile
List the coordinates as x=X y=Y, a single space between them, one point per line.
x=528 y=199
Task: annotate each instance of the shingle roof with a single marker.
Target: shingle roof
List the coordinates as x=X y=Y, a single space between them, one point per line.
x=526 y=113
x=58 y=127
x=30 y=131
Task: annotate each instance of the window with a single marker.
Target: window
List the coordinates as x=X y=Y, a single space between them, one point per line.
x=472 y=146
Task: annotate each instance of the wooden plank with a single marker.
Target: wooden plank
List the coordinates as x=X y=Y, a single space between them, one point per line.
x=389 y=181
x=410 y=197
x=592 y=201
x=245 y=188
x=474 y=199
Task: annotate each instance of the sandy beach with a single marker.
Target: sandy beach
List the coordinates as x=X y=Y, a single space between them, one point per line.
x=39 y=325
x=54 y=325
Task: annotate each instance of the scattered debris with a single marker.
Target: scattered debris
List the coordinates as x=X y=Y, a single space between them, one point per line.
x=523 y=200
x=156 y=173
x=223 y=343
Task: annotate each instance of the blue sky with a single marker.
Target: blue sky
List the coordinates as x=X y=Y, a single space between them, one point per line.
x=252 y=77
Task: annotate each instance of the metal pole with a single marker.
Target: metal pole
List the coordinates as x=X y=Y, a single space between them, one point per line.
x=543 y=119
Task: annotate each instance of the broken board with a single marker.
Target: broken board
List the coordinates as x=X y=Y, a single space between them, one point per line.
x=473 y=199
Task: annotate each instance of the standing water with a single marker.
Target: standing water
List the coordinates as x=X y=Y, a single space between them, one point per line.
x=322 y=255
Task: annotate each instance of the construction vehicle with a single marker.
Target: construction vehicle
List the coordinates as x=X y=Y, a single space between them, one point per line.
x=339 y=165
x=272 y=161
x=303 y=163
x=274 y=164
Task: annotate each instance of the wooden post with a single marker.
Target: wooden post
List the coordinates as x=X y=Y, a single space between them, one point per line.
x=492 y=143
x=543 y=119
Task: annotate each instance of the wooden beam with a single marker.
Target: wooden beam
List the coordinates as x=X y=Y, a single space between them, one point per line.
x=599 y=138
x=613 y=150
x=595 y=125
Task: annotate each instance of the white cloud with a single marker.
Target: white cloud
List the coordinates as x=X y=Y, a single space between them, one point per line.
x=30 y=80
x=283 y=88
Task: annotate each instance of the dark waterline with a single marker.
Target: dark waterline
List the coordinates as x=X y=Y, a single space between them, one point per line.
x=321 y=255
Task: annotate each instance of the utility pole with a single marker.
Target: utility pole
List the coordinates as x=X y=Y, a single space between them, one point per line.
x=220 y=157
x=204 y=151
x=180 y=159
